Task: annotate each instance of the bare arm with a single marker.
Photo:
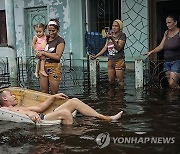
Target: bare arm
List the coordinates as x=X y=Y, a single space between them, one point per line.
x=100 y=53
x=57 y=55
x=45 y=105
x=34 y=43
x=25 y=111
x=118 y=45
x=158 y=48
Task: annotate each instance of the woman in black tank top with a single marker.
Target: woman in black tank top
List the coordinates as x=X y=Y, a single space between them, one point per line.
x=170 y=44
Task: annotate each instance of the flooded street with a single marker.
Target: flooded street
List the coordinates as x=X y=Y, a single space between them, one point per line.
x=151 y=122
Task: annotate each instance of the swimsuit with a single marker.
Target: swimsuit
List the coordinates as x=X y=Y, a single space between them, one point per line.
x=41 y=116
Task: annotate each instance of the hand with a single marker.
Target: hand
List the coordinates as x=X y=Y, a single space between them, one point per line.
x=109 y=35
x=92 y=57
x=40 y=53
x=146 y=54
x=36 y=53
x=34 y=116
x=60 y=96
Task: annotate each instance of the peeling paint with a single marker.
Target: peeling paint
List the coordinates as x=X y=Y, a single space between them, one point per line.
x=53 y=13
x=19 y=24
x=56 y=9
x=66 y=18
x=51 y=2
x=31 y=4
x=20 y=48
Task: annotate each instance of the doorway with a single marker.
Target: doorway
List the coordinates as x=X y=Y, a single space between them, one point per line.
x=32 y=17
x=164 y=8
x=158 y=11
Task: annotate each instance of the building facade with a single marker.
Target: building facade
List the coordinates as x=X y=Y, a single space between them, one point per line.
x=82 y=18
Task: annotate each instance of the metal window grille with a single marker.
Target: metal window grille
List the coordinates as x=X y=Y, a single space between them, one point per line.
x=99 y=14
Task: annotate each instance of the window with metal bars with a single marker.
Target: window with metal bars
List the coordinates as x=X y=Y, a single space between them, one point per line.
x=99 y=14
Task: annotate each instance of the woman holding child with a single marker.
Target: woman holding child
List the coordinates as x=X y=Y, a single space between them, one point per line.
x=53 y=52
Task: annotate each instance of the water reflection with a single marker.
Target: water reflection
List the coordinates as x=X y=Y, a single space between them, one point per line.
x=50 y=148
x=116 y=92
x=147 y=112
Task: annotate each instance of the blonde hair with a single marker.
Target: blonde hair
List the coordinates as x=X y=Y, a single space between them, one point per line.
x=120 y=23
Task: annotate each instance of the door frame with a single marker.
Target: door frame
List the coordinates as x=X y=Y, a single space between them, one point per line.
x=157 y=26
x=29 y=29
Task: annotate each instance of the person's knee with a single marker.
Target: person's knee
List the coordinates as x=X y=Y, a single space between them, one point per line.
x=111 y=81
x=121 y=83
x=172 y=84
x=44 y=91
x=67 y=117
x=74 y=100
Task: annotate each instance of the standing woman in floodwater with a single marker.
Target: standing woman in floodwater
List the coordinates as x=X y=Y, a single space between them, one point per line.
x=115 y=45
x=171 y=46
x=53 y=52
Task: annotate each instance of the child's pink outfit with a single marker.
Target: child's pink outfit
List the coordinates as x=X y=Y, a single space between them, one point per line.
x=41 y=43
x=40 y=46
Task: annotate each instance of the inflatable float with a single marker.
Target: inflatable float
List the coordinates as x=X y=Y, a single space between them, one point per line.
x=26 y=97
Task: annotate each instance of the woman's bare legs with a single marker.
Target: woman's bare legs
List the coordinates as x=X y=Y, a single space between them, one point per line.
x=111 y=76
x=43 y=81
x=173 y=79
x=120 y=77
x=54 y=86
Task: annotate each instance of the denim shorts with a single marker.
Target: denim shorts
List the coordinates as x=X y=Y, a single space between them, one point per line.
x=172 y=66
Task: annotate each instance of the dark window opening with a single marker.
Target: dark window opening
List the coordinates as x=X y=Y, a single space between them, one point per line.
x=3 y=30
x=100 y=14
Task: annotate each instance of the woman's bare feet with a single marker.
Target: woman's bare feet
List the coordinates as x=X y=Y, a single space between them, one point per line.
x=44 y=73
x=117 y=116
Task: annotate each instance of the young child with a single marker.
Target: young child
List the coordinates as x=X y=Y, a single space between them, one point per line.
x=39 y=43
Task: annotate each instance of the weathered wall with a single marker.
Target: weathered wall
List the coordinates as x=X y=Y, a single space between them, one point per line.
x=56 y=9
x=72 y=17
x=2 y=4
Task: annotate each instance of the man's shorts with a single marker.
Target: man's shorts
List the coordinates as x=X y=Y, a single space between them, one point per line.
x=53 y=70
x=41 y=116
x=116 y=64
x=172 y=66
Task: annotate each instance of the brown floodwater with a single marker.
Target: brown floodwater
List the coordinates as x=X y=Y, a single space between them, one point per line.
x=150 y=123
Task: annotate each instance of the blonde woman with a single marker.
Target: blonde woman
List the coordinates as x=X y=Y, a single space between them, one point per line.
x=115 y=43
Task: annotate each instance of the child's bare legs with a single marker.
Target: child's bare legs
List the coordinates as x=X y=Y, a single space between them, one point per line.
x=37 y=68
x=42 y=64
